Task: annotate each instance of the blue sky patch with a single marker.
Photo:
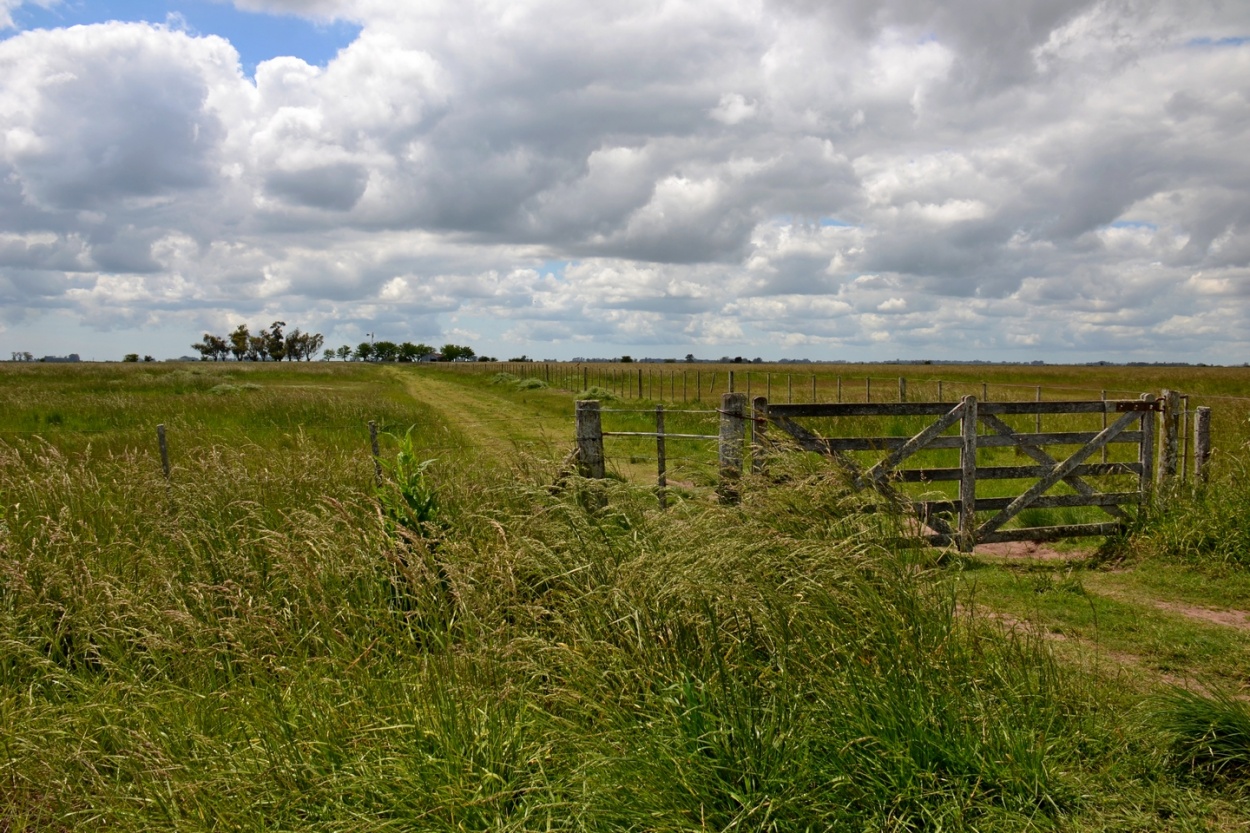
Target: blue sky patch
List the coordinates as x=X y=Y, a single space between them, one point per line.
x=257 y=36
x=1215 y=43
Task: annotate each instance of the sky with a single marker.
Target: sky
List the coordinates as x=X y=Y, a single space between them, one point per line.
x=1056 y=180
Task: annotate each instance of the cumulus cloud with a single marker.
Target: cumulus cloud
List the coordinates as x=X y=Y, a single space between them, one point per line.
x=1037 y=178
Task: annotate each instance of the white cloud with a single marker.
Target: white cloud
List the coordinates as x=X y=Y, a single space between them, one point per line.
x=755 y=173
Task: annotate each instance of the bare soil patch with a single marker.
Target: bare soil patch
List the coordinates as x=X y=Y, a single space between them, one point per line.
x=1033 y=550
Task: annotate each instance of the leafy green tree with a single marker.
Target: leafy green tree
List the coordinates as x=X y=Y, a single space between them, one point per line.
x=328 y=355
x=275 y=341
x=364 y=351
x=131 y=357
x=239 y=342
x=385 y=351
x=257 y=348
x=344 y=353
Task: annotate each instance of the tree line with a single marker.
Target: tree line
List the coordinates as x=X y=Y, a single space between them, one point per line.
x=275 y=344
x=269 y=344
x=390 y=351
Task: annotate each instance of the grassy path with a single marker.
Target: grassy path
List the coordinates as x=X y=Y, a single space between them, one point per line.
x=1159 y=624
x=492 y=421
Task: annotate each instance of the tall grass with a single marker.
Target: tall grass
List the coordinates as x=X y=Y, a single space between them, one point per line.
x=263 y=641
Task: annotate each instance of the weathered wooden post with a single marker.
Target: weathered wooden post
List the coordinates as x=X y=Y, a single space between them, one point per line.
x=759 y=434
x=1169 y=438
x=868 y=389
x=1146 y=453
x=939 y=390
x=839 y=389
x=968 y=476
x=985 y=392
x=589 y=432
x=639 y=384
x=902 y=389
x=661 y=477
x=732 y=438
x=1037 y=425
x=732 y=389
x=160 y=441
x=377 y=453
x=813 y=387
x=789 y=389
x=1202 y=443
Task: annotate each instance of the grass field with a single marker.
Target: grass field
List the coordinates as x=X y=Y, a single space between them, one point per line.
x=268 y=639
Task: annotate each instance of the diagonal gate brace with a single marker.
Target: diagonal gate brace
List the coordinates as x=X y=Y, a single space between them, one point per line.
x=1058 y=473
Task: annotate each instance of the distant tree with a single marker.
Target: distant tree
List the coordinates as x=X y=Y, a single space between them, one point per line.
x=385 y=351
x=312 y=343
x=328 y=355
x=148 y=359
x=627 y=359
x=257 y=348
x=690 y=357
x=344 y=353
x=275 y=341
x=408 y=352
x=131 y=357
x=212 y=347
x=302 y=346
x=239 y=340
x=452 y=352
x=364 y=351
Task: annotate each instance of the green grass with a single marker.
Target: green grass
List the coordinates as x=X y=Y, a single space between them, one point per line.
x=269 y=640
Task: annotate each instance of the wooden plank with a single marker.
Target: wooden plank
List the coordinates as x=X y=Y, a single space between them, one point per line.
x=652 y=434
x=989 y=441
x=1058 y=473
x=1043 y=502
x=833 y=409
x=1013 y=472
x=1028 y=444
x=914 y=444
x=1039 y=533
x=1050 y=533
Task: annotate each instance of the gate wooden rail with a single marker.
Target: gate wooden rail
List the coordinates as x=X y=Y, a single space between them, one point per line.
x=967 y=426
x=955 y=521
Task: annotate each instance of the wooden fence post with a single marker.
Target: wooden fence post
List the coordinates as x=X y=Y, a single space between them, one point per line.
x=939 y=390
x=902 y=389
x=160 y=441
x=759 y=433
x=868 y=389
x=968 y=477
x=589 y=432
x=377 y=453
x=1202 y=443
x=732 y=437
x=1146 y=453
x=1169 y=438
x=661 y=477
x=731 y=382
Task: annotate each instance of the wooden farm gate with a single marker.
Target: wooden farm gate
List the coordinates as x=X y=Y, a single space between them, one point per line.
x=948 y=520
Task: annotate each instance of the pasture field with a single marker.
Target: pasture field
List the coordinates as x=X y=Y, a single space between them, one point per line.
x=271 y=639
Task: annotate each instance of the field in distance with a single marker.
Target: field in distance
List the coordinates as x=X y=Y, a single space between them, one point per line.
x=270 y=638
